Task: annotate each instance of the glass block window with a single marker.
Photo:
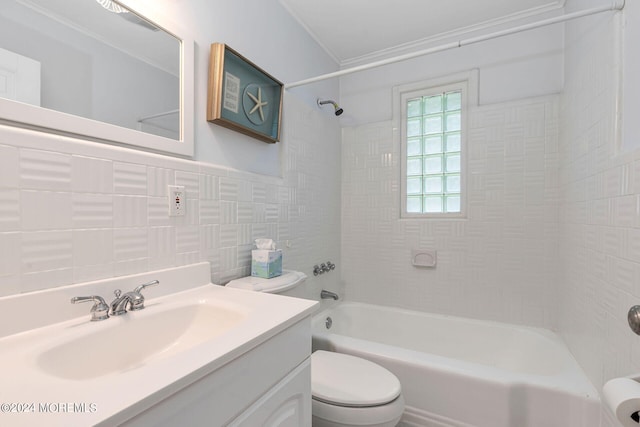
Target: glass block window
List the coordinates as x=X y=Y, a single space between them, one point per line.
x=433 y=130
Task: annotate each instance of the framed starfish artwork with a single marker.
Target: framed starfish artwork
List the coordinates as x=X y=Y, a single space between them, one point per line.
x=242 y=96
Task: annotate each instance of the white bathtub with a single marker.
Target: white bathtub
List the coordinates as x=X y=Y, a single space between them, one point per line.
x=458 y=372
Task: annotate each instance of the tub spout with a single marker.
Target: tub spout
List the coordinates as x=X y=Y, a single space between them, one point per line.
x=328 y=295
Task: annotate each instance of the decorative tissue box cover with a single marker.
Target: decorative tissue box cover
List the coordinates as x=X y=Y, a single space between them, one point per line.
x=266 y=263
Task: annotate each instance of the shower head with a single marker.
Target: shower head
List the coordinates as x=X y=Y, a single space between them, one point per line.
x=337 y=109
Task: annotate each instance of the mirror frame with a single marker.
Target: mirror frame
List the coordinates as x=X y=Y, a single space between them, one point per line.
x=16 y=113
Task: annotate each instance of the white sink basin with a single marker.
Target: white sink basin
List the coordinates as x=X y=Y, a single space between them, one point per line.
x=129 y=341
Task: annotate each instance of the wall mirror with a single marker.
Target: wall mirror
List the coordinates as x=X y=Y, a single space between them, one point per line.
x=96 y=69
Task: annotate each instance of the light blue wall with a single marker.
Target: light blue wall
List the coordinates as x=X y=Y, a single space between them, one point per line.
x=263 y=32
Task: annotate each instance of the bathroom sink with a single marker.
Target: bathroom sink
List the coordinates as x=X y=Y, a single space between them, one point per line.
x=113 y=370
x=127 y=342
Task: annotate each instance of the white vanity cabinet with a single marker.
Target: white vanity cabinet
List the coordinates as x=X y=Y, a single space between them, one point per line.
x=288 y=404
x=270 y=385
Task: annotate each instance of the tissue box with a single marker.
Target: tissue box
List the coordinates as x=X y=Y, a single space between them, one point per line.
x=266 y=263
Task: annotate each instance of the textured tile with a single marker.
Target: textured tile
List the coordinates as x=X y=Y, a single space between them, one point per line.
x=228 y=235
x=116 y=219
x=244 y=234
x=259 y=193
x=271 y=213
x=232 y=189
x=158 y=211
x=45 y=170
x=10 y=248
x=208 y=187
x=129 y=178
x=245 y=212
x=228 y=212
x=191 y=183
x=228 y=258
x=192 y=216
x=507 y=208
x=132 y=266
x=46 y=279
x=45 y=210
x=92 y=210
x=88 y=273
x=91 y=175
x=9 y=167
x=130 y=244
x=600 y=271
x=228 y=189
x=129 y=211
x=209 y=240
x=46 y=250
x=209 y=212
x=187 y=239
x=92 y=247
x=158 y=180
x=9 y=210
x=162 y=247
x=244 y=254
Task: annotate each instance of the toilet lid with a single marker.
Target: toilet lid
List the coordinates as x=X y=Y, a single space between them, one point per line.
x=289 y=279
x=345 y=380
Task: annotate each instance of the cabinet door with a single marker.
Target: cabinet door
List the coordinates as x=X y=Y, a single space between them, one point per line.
x=288 y=404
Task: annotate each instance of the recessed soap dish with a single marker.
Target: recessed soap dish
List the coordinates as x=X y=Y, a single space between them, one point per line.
x=424 y=258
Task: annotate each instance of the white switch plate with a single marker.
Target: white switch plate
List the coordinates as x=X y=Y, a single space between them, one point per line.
x=177 y=200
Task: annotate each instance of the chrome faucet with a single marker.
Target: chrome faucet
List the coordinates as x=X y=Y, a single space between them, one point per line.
x=100 y=309
x=324 y=294
x=133 y=299
x=323 y=268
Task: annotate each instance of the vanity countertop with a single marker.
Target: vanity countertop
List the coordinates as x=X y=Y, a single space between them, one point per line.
x=58 y=374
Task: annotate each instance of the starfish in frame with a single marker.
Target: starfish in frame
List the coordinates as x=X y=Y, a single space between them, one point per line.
x=259 y=103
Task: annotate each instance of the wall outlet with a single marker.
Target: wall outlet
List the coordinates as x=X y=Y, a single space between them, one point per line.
x=177 y=200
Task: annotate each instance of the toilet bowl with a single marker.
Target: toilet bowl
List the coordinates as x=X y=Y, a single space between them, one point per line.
x=351 y=391
x=347 y=391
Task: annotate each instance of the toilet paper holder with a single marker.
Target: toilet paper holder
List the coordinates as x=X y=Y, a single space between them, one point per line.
x=633 y=317
x=622 y=397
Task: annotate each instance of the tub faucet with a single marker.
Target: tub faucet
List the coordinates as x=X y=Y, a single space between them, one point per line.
x=328 y=295
x=134 y=299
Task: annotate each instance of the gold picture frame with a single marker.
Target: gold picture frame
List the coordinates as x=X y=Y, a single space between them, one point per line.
x=242 y=96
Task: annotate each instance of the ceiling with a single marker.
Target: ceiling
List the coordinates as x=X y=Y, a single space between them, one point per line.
x=351 y=30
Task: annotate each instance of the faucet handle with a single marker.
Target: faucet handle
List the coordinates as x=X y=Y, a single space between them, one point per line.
x=139 y=288
x=100 y=309
x=137 y=302
x=317 y=270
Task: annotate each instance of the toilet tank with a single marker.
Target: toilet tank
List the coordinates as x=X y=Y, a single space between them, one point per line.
x=290 y=283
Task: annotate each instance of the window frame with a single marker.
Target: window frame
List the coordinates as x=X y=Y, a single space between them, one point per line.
x=467 y=84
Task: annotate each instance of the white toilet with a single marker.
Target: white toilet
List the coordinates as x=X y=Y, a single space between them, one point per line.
x=347 y=391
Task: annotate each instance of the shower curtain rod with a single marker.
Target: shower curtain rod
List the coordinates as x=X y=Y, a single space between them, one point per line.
x=615 y=5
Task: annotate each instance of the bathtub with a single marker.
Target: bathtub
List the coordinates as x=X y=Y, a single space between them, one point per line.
x=458 y=372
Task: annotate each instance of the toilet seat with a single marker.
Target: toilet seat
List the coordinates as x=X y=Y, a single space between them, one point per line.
x=344 y=380
x=287 y=280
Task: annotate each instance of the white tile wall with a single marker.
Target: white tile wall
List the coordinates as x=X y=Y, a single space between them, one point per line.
x=501 y=261
x=72 y=211
x=599 y=209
